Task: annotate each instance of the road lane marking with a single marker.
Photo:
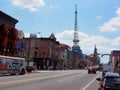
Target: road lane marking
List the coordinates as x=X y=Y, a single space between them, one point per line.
x=33 y=79
x=90 y=83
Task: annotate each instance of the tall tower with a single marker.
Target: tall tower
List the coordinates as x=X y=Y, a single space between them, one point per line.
x=77 y=53
x=76 y=40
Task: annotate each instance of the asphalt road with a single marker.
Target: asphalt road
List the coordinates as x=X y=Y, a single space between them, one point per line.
x=51 y=80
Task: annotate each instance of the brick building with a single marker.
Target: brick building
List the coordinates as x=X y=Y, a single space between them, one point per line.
x=88 y=60
x=66 y=57
x=8 y=35
x=44 y=52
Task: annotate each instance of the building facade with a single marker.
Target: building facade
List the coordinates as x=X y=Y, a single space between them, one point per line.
x=8 y=35
x=44 y=52
x=66 y=57
x=115 y=60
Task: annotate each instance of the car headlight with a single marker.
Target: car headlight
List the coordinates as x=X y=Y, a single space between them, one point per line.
x=107 y=85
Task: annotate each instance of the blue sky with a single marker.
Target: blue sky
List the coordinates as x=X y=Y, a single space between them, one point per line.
x=98 y=21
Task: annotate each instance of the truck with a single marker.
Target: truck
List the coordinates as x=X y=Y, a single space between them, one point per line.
x=12 y=65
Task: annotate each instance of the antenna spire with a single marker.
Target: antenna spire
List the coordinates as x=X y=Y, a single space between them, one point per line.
x=76 y=40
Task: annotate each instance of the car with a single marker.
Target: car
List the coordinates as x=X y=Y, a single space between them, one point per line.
x=110 y=81
x=91 y=70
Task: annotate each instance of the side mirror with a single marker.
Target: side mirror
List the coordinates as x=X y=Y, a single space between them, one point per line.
x=98 y=79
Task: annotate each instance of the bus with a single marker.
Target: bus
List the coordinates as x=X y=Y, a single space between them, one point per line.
x=12 y=65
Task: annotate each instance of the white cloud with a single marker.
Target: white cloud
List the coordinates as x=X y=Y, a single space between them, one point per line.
x=67 y=37
x=27 y=34
x=31 y=5
x=53 y=6
x=112 y=25
x=118 y=11
x=98 y=17
x=116 y=42
x=104 y=45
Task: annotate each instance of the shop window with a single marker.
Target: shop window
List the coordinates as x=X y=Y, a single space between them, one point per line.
x=9 y=47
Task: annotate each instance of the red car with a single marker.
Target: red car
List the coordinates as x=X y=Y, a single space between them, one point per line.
x=91 y=70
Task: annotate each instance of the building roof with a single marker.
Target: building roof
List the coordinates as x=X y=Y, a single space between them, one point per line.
x=52 y=36
x=5 y=18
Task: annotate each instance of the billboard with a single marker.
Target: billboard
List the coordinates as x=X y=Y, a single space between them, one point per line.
x=116 y=53
x=78 y=51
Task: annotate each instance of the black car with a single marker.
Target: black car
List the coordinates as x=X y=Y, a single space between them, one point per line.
x=111 y=81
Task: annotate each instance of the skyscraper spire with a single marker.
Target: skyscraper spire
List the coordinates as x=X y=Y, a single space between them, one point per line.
x=95 y=51
x=95 y=55
x=76 y=40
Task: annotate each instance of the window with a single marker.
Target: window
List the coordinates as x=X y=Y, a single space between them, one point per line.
x=43 y=53
x=36 y=44
x=9 y=47
x=1 y=29
x=10 y=33
x=35 y=53
x=0 y=44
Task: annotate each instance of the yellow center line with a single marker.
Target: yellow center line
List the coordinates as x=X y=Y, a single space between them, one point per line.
x=32 y=79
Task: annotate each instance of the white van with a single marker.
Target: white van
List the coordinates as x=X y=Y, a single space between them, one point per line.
x=12 y=65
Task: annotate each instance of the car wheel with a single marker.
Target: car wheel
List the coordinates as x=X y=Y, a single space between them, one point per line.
x=99 y=89
x=22 y=72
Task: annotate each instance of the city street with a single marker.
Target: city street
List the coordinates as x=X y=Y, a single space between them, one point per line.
x=51 y=80
x=59 y=44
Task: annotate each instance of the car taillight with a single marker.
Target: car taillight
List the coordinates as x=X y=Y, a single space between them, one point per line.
x=102 y=85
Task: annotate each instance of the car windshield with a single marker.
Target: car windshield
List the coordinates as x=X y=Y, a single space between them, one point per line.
x=113 y=80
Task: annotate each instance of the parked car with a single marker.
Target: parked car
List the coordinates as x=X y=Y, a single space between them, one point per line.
x=111 y=81
x=91 y=70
